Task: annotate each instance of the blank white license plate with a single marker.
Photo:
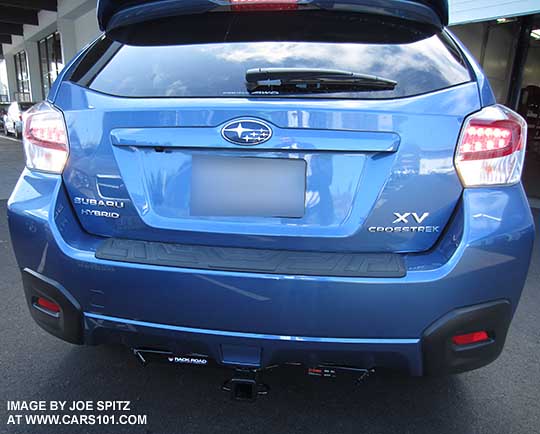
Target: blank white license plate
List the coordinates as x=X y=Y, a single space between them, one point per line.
x=247 y=187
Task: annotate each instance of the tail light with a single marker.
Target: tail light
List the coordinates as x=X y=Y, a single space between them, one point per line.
x=264 y=5
x=45 y=139
x=491 y=148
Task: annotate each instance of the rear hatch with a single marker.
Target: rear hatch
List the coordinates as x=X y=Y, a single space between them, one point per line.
x=171 y=142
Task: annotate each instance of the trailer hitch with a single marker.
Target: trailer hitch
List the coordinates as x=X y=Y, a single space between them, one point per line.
x=245 y=385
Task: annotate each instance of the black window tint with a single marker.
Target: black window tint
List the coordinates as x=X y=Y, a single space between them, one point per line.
x=218 y=70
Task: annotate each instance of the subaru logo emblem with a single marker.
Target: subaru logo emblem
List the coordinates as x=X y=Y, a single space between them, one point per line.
x=246 y=132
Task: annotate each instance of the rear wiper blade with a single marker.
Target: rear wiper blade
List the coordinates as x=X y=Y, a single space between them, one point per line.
x=313 y=80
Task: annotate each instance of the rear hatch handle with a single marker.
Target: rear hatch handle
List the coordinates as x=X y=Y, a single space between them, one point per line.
x=283 y=139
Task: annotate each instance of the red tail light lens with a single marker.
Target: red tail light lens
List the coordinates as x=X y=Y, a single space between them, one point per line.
x=48 y=304
x=491 y=148
x=264 y=5
x=470 y=338
x=484 y=140
x=45 y=138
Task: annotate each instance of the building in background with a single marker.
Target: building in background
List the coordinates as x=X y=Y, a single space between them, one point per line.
x=4 y=93
x=37 y=38
x=504 y=35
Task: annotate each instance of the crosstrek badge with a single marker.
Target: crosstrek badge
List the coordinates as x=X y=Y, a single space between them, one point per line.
x=410 y=219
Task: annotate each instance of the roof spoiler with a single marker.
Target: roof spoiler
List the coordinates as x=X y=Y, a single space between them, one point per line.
x=116 y=14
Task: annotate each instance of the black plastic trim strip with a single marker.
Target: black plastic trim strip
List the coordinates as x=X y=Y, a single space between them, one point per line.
x=284 y=262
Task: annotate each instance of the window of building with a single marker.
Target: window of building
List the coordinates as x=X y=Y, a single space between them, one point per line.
x=22 y=77
x=50 y=60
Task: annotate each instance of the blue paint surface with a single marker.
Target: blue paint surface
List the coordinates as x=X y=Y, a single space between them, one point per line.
x=365 y=161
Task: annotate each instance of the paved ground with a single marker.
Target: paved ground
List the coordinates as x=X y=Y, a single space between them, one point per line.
x=11 y=164
x=501 y=398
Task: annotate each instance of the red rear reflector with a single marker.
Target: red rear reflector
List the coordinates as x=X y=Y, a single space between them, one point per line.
x=264 y=5
x=470 y=338
x=47 y=304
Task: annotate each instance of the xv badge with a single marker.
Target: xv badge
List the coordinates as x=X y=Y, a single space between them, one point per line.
x=403 y=217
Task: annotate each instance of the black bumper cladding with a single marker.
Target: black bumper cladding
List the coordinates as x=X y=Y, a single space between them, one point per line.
x=285 y=262
x=442 y=356
x=66 y=324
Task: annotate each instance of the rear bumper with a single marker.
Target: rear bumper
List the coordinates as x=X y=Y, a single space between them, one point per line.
x=259 y=319
x=433 y=353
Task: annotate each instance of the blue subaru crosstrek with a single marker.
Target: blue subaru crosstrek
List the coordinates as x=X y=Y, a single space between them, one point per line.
x=256 y=183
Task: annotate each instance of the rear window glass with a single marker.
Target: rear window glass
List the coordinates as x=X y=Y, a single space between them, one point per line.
x=218 y=69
